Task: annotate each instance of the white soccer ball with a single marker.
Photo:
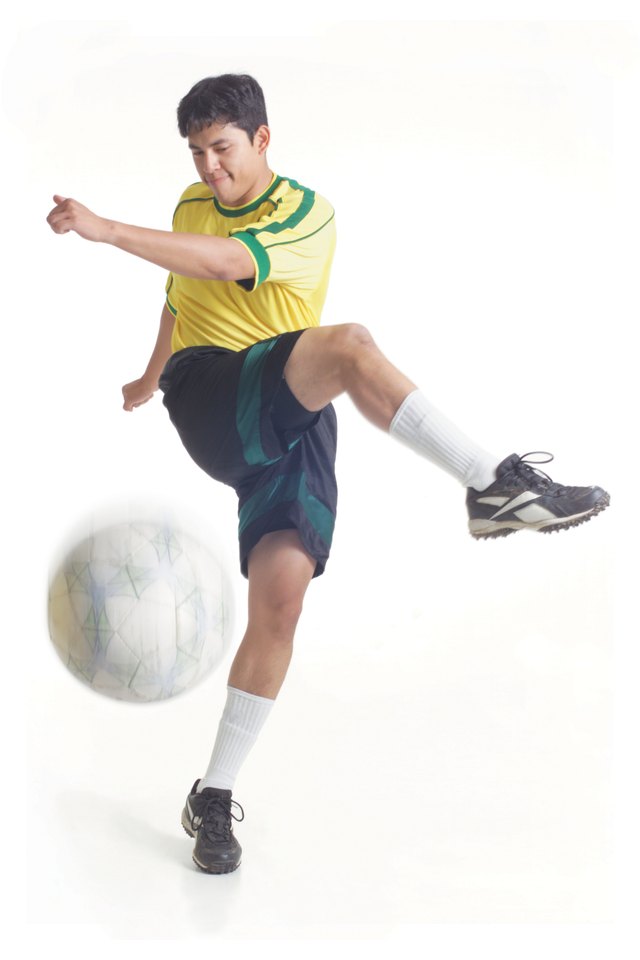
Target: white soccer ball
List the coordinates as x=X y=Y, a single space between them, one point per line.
x=140 y=611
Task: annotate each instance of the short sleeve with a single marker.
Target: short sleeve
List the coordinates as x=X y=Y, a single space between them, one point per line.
x=293 y=245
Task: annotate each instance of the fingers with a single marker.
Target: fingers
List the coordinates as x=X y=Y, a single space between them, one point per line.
x=69 y=215
x=128 y=401
x=130 y=405
x=59 y=218
x=66 y=215
x=61 y=204
x=135 y=395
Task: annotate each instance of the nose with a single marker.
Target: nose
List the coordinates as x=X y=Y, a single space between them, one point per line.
x=211 y=162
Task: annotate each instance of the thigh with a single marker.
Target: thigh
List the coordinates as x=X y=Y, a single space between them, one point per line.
x=299 y=493
x=222 y=404
x=199 y=384
x=280 y=570
x=318 y=366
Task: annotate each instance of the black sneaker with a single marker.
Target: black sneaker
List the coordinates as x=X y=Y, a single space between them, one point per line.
x=524 y=498
x=207 y=817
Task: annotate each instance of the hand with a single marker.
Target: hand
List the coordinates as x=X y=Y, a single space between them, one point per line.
x=136 y=393
x=69 y=215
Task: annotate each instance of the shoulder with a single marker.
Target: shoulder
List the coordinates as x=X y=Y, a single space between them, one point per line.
x=296 y=203
x=195 y=193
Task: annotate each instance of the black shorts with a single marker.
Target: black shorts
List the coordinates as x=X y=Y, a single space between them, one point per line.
x=242 y=425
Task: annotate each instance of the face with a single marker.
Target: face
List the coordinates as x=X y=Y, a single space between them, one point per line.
x=233 y=168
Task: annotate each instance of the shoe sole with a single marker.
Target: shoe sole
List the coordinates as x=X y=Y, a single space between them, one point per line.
x=488 y=530
x=216 y=868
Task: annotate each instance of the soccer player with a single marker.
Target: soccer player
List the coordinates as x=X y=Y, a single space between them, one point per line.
x=248 y=377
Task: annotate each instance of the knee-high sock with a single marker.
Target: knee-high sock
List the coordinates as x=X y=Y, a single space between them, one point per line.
x=419 y=425
x=242 y=719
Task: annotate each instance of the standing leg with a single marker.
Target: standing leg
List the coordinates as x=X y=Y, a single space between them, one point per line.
x=280 y=571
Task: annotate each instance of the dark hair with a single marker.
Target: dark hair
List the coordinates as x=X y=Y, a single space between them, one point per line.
x=230 y=98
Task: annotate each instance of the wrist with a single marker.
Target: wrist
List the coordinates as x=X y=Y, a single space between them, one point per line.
x=110 y=232
x=149 y=381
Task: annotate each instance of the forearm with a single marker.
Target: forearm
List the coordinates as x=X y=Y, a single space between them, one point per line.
x=162 y=349
x=195 y=255
x=188 y=254
x=141 y=391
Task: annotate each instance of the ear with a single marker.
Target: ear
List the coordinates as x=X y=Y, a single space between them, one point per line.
x=262 y=139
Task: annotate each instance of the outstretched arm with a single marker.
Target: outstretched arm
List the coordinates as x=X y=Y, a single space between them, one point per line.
x=139 y=391
x=189 y=254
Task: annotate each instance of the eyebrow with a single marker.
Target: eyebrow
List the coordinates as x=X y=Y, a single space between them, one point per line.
x=216 y=143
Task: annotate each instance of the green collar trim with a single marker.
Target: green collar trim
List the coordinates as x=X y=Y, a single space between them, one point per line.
x=249 y=207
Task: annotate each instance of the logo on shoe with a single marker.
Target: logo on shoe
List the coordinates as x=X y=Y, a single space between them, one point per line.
x=506 y=504
x=195 y=821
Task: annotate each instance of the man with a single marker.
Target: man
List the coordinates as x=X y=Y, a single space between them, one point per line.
x=248 y=377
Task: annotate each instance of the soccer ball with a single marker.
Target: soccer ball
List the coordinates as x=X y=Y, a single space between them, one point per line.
x=140 y=611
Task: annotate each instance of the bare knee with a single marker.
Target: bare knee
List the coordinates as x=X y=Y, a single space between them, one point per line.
x=354 y=337
x=277 y=617
x=353 y=346
x=358 y=347
x=284 y=615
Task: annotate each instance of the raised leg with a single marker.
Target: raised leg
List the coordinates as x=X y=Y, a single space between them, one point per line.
x=328 y=361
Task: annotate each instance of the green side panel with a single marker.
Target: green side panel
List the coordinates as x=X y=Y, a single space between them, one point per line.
x=322 y=520
x=280 y=490
x=248 y=406
x=283 y=490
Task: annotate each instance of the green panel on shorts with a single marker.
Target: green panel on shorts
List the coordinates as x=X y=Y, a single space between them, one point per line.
x=249 y=403
x=283 y=490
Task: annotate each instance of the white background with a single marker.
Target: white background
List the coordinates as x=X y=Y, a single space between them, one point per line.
x=448 y=745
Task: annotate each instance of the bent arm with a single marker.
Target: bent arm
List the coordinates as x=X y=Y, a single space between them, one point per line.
x=140 y=391
x=189 y=254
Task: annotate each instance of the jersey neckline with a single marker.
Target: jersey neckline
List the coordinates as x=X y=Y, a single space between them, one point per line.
x=248 y=207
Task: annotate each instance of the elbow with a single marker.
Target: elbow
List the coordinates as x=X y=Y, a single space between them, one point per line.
x=227 y=272
x=230 y=263
x=212 y=271
x=237 y=264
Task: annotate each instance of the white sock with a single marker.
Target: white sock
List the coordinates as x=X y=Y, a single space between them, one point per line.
x=422 y=427
x=241 y=722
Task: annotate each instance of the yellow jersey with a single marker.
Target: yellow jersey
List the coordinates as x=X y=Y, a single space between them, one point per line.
x=289 y=232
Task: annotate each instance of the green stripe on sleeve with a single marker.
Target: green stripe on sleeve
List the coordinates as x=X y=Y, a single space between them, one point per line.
x=258 y=254
x=301 y=211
